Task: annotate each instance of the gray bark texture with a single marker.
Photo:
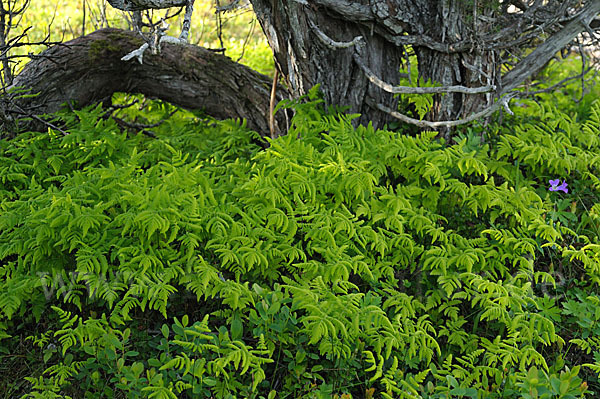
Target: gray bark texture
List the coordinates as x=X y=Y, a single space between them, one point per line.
x=304 y=60
x=457 y=43
x=139 y=5
x=89 y=69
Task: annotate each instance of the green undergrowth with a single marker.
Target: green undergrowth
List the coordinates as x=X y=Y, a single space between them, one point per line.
x=339 y=262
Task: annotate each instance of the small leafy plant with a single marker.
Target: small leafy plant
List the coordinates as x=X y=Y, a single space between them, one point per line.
x=339 y=261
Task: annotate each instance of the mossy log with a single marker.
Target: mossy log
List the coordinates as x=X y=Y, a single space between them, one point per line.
x=89 y=69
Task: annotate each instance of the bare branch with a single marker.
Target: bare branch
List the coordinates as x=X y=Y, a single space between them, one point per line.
x=213 y=81
x=139 y=5
x=502 y=102
x=544 y=52
x=140 y=127
x=329 y=42
x=13 y=107
x=272 y=102
x=187 y=21
x=559 y=84
x=139 y=53
x=135 y=127
x=419 y=90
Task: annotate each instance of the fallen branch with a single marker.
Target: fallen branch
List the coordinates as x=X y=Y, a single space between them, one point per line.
x=502 y=102
x=89 y=70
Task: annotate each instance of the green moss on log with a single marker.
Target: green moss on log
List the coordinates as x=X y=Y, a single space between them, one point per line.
x=116 y=44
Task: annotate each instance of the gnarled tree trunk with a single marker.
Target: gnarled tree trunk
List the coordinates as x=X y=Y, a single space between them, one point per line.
x=460 y=43
x=305 y=60
x=453 y=21
x=89 y=69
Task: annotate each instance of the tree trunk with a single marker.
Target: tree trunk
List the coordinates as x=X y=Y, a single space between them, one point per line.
x=89 y=69
x=305 y=60
x=452 y=22
x=457 y=43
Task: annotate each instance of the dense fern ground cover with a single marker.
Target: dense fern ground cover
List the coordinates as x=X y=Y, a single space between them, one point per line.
x=338 y=262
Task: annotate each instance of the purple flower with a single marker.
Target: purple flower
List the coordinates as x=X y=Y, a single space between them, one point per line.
x=556 y=186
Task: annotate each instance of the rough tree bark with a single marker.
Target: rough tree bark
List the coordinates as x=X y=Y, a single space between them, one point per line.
x=457 y=43
x=305 y=60
x=89 y=69
x=473 y=68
